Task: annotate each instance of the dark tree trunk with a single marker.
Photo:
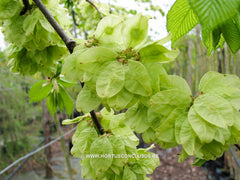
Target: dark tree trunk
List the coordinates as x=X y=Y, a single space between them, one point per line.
x=47 y=150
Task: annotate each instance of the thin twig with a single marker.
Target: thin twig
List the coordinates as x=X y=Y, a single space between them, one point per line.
x=69 y=42
x=96 y=122
x=74 y=23
x=100 y=14
x=26 y=7
x=237 y=146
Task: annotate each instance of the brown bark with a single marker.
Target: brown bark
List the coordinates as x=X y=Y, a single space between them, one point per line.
x=47 y=137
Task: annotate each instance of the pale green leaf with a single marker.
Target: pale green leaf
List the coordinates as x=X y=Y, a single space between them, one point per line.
x=45 y=24
x=174 y=82
x=166 y=130
x=164 y=102
x=212 y=150
x=118 y=149
x=178 y=126
x=66 y=83
x=96 y=54
x=136 y=118
x=108 y=32
x=153 y=118
x=149 y=136
x=204 y=130
x=222 y=135
x=30 y=22
x=8 y=8
x=120 y=100
x=214 y=110
x=180 y=19
x=128 y=174
x=83 y=142
x=80 y=127
x=210 y=80
x=110 y=80
x=75 y=120
x=135 y=30
x=87 y=171
x=101 y=146
x=157 y=53
x=188 y=137
x=137 y=80
x=87 y=100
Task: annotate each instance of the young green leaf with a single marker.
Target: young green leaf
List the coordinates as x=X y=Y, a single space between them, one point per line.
x=164 y=102
x=212 y=13
x=52 y=103
x=101 y=146
x=136 y=118
x=8 y=8
x=120 y=100
x=40 y=91
x=157 y=53
x=231 y=33
x=180 y=19
x=137 y=80
x=83 y=142
x=128 y=174
x=110 y=80
x=204 y=130
x=134 y=30
x=87 y=100
x=96 y=54
x=214 y=110
x=30 y=22
x=67 y=100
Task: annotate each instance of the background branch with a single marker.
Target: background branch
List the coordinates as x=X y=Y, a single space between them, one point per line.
x=100 y=14
x=26 y=7
x=69 y=42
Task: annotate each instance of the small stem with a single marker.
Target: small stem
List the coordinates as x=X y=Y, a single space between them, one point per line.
x=26 y=7
x=96 y=122
x=237 y=146
x=69 y=42
x=63 y=146
x=74 y=23
x=89 y=1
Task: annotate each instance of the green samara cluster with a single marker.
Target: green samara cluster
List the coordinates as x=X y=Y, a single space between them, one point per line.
x=118 y=65
x=205 y=125
x=34 y=44
x=112 y=155
x=121 y=69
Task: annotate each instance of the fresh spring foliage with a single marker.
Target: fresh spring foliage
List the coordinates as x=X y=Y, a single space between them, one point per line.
x=111 y=149
x=219 y=21
x=122 y=70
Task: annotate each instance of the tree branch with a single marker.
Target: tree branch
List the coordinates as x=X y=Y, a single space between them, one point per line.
x=26 y=7
x=90 y=1
x=71 y=44
x=74 y=23
x=96 y=122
